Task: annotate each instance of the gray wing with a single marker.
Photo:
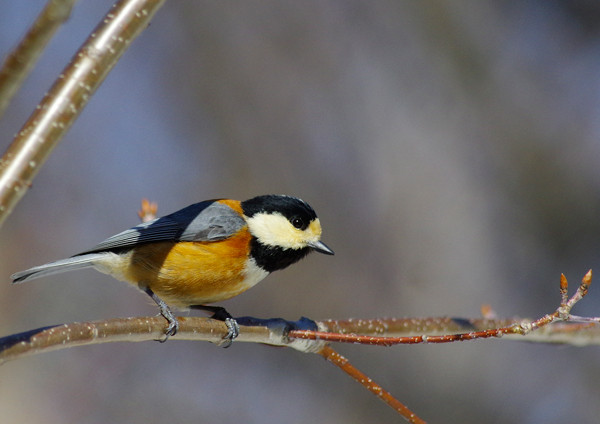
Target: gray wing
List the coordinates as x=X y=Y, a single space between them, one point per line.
x=204 y=221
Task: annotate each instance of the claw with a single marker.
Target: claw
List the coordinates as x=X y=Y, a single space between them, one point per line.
x=233 y=330
x=172 y=328
x=220 y=313
x=165 y=311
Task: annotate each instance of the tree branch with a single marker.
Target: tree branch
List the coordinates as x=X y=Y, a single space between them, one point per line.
x=68 y=96
x=341 y=362
x=579 y=331
x=19 y=63
x=551 y=328
x=141 y=329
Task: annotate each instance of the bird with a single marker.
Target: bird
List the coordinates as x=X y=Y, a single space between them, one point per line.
x=204 y=253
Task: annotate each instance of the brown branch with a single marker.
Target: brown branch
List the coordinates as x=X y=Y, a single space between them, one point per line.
x=68 y=96
x=140 y=329
x=584 y=331
x=341 y=362
x=382 y=332
x=552 y=327
x=19 y=63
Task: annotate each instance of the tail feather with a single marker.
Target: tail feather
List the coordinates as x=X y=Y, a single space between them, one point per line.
x=63 y=265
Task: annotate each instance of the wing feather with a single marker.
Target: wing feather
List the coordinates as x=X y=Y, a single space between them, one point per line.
x=204 y=221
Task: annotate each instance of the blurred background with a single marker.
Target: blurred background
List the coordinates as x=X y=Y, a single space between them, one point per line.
x=450 y=149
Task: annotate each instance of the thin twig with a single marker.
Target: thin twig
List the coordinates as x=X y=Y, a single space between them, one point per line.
x=68 y=96
x=19 y=63
x=562 y=313
x=340 y=361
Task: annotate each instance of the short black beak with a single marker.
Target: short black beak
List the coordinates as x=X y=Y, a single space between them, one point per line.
x=320 y=247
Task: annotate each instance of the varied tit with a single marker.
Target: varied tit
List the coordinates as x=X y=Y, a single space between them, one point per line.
x=205 y=253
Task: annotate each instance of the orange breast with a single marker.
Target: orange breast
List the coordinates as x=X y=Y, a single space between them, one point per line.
x=192 y=273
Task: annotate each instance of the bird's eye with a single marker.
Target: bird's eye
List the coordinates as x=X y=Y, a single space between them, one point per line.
x=297 y=222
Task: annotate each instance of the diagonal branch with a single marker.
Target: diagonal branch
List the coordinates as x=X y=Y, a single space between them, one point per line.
x=19 y=63
x=341 y=362
x=68 y=96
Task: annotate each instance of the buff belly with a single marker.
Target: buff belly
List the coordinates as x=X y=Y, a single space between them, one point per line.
x=189 y=273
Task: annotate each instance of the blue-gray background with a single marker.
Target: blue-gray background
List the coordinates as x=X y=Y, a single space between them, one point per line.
x=450 y=149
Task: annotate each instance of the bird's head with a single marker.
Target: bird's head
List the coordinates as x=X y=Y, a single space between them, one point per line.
x=284 y=224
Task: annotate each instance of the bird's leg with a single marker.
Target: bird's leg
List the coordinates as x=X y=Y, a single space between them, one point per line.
x=221 y=314
x=165 y=311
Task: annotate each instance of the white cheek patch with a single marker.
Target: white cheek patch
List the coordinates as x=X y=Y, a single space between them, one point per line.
x=273 y=229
